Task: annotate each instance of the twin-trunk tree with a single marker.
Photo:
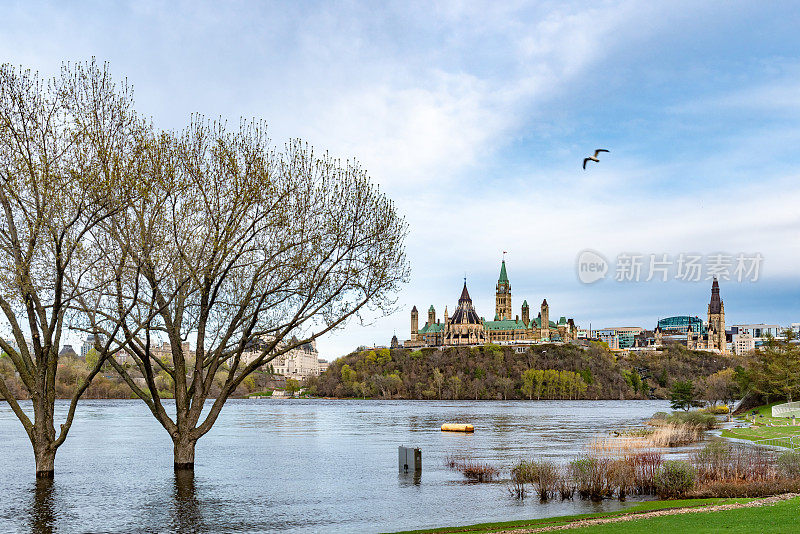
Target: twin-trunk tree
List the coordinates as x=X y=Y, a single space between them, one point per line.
x=141 y=237
x=248 y=252
x=65 y=146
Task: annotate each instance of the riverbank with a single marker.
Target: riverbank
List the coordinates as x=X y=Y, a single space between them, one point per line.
x=776 y=514
x=546 y=371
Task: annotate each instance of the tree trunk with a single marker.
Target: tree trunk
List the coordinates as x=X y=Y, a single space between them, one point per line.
x=45 y=461
x=184 y=453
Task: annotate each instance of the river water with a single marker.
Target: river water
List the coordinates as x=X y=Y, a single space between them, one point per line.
x=297 y=466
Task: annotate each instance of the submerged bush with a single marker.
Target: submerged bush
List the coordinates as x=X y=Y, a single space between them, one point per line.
x=675 y=478
x=474 y=471
x=592 y=477
x=545 y=476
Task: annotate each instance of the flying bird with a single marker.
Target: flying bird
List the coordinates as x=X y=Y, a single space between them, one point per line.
x=593 y=158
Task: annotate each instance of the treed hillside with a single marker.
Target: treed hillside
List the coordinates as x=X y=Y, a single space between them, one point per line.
x=496 y=372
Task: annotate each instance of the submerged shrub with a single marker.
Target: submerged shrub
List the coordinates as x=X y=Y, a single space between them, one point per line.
x=479 y=472
x=592 y=477
x=472 y=470
x=544 y=475
x=674 y=479
x=645 y=465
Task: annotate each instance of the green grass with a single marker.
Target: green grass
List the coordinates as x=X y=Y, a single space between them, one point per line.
x=775 y=519
x=761 y=432
x=563 y=520
x=766 y=427
x=766 y=409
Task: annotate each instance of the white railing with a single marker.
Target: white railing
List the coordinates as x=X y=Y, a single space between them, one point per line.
x=786 y=409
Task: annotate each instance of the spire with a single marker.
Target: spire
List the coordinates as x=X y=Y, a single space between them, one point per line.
x=715 y=306
x=414 y=309
x=524 y=303
x=464 y=294
x=503 y=276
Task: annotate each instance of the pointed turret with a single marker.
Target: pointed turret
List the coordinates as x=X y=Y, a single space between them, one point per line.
x=464 y=294
x=503 y=275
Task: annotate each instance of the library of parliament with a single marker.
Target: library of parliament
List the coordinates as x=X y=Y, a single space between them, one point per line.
x=466 y=327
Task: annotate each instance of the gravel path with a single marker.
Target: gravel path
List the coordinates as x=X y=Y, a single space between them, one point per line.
x=768 y=501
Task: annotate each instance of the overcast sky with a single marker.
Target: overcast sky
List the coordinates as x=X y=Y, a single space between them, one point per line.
x=475 y=117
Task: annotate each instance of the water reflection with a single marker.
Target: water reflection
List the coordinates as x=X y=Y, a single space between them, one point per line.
x=43 y=515
x=186 y=514
x=409 y=478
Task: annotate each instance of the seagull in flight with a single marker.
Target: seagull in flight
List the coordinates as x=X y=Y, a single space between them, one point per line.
x=593 y=158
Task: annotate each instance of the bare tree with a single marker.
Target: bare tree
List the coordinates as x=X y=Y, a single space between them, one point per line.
x=55 y=188
x=247 y=251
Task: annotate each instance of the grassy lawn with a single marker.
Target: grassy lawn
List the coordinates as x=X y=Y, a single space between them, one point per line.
x=766 y=409
x=766 y=427
x=778 y=518
x=761 y=432
x=562 y=520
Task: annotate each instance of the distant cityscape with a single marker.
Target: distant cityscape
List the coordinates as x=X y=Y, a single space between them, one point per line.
x=299 y=363
x=466 y=327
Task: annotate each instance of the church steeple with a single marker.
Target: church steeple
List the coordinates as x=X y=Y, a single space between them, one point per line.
x=715 y=305
x=716 y=320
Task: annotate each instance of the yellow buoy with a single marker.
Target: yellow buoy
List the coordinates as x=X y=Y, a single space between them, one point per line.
x=454 y=427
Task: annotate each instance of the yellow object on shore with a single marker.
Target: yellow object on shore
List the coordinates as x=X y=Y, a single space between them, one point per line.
x=454 y=427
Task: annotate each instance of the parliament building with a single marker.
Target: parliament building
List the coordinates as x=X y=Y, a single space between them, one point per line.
x=466 y=327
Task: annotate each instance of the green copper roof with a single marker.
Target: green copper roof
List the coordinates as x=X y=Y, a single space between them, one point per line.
x=538 y=322
x=562 y=320
x=507 y=324
x=432 y=328
x=503 y=275
x=431 y=308
x=524 y=303
x=496 y=317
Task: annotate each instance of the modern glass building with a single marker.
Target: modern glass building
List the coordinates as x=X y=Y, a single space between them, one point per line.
x=681 y=324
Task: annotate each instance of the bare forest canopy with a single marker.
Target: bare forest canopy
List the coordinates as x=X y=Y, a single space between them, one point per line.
x=541 y=372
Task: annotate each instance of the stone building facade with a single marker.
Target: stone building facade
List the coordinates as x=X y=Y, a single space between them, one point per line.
x=712 y=336
x=466 y=327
